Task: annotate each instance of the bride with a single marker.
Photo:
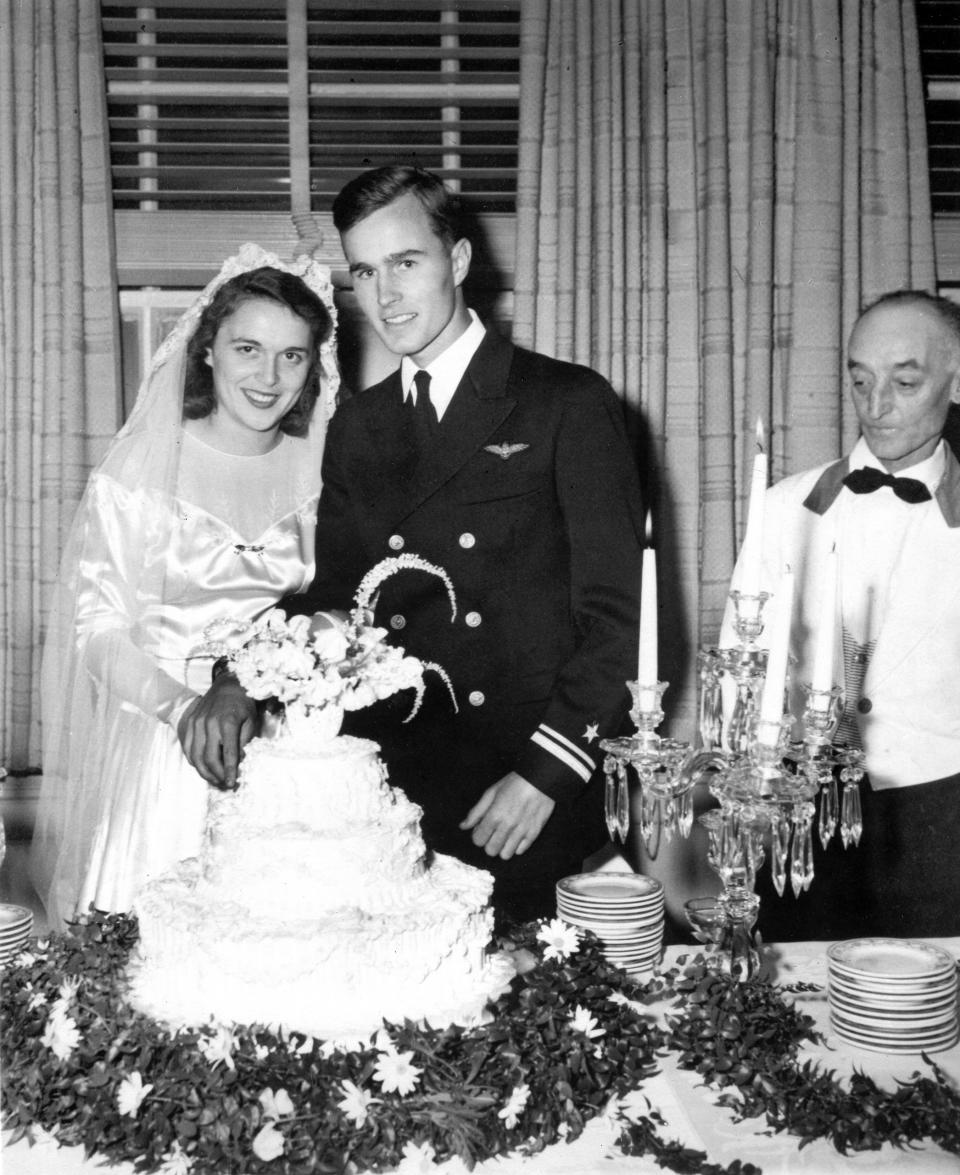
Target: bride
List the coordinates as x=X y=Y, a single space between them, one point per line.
x=204 y=506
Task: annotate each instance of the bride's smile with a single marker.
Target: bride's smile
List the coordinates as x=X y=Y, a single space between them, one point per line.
x=260 y=359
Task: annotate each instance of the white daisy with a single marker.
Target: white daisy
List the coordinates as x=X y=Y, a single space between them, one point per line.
x=131 y=1093
x=356 y=1102
x=219 y=1048
x=275 y=1105
x=268 y=1144
x=583 y=1022
x=396 y=1073
x=417 y=1159
x=61 y=1035
x=176 y=1161
x=560 y=938
x=515 y=1106
x=69 y=989
x=37 y=999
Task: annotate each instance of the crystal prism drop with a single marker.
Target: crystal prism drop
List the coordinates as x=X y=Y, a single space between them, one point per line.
x=779 y=846
x=610 y=798
x=851 y=820
x=739 y=729
x=797 y=867
x=710 y=710
x=806 y=833
x=623 y=802
x=648 y=814
x=829 y=806
x=685 y=813
x=668 y=817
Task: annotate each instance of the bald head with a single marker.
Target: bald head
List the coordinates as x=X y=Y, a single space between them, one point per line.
x=904 y=364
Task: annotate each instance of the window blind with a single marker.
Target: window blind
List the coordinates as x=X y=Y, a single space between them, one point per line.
x=271 y=105
x=939 y=29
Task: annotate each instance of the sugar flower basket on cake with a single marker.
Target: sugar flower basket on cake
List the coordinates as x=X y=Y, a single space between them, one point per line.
x=317 y=675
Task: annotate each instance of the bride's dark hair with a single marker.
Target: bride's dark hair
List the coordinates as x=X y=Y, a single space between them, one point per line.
x=271 y=285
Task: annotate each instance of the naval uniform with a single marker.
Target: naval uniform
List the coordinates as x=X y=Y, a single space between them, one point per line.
x=528 y=498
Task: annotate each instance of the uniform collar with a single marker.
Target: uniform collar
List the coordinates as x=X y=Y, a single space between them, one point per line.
x=446 y=371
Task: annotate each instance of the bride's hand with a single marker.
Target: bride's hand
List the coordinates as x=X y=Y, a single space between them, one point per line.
x=215 y=728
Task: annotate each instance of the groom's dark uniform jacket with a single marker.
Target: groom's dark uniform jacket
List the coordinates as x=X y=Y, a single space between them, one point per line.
x=528 y=498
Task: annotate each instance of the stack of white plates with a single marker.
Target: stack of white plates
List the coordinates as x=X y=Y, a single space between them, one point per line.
x=893 y=995
x=624 y=910
x=16 y=922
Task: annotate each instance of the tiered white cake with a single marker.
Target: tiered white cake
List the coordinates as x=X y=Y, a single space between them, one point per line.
x=315 y=905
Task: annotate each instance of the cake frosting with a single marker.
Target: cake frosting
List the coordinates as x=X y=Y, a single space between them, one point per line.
x=314 y=904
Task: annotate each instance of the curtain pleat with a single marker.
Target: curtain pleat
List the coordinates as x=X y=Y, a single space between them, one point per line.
x=708 y=193
x=59 y=329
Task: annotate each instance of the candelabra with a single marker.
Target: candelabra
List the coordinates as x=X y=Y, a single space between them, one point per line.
x=764 y=781
x=666 y=807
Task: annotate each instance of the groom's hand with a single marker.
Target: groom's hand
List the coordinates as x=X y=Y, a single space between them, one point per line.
x=215 y=728
x=508 y=817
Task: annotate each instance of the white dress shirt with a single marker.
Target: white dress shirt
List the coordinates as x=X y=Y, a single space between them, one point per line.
x=446 y=371
x=872 y=532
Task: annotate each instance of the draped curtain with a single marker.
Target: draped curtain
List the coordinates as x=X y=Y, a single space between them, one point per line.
x=709 y=190
x=59 y=326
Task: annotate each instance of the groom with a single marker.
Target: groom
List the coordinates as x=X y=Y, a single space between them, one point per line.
x=511 y=471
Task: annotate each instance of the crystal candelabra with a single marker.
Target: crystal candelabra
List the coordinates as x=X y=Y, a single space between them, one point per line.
x=666 y=807
x=765 y=784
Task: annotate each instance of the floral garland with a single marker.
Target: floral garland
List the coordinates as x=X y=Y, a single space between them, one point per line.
x=565 y=1045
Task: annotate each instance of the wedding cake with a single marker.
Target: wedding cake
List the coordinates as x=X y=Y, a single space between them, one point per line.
x=314 y=902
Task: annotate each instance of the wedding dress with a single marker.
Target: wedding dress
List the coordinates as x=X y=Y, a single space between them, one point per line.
x=171 y=535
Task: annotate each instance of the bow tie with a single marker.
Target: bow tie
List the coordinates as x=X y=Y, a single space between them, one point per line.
x=868 y=479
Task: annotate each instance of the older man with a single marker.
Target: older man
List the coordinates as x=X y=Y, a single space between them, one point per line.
x=891 y=511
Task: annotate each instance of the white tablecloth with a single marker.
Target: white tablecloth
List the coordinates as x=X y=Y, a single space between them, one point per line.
x=687 y=1106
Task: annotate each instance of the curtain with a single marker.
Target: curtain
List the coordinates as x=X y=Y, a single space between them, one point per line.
x=59 y=326
x=709 y=190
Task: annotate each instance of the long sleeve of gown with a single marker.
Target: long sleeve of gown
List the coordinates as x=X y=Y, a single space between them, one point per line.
x=119 y=526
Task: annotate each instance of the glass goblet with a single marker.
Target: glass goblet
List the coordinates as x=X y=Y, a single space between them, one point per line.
x=707 y=918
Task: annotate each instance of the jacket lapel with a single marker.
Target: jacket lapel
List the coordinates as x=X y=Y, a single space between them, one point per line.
x=479 y=406
x=828 y=486
x=948 y=491
x=390 y=431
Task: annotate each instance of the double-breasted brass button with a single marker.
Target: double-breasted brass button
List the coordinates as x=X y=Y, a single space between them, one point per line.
x=476 y=698
x=473 y=619
x=397 y=622
x=395 y=542
x=467 y=540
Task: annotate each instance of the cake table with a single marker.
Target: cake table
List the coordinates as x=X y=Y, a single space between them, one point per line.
x=686 y=1104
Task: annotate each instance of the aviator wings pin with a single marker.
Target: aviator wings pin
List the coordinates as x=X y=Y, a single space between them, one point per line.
x=505 y=451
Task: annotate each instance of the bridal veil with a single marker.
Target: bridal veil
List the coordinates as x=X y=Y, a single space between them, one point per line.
x=124 y=641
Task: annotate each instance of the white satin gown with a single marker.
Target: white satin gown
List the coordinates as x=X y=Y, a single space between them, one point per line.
x=236 y=536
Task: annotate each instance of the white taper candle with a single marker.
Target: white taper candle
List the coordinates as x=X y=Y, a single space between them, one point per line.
x=771 y=700
x=751 y=553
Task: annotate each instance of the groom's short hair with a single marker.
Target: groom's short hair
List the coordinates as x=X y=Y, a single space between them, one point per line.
x=375 y=189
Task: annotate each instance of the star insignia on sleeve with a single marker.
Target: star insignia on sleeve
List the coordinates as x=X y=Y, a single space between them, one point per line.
x=591 y=733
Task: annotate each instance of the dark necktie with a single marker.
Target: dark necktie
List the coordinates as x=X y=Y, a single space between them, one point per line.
x=424 y=413
x=868 y=479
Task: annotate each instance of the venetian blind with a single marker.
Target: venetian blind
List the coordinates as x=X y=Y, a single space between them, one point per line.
x=271 y=105
x=938 y=24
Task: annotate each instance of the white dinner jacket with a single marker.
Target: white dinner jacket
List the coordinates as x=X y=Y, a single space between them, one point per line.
x=911 y=732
